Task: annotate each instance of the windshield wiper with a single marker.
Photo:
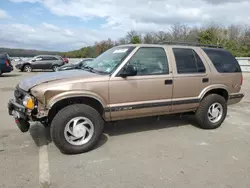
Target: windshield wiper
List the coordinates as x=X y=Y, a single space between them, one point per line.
x=88 y=68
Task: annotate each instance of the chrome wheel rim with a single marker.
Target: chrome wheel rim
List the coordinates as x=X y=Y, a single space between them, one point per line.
x=28 y=69
x=79 y=131
x=55 y=68
x=215 y=112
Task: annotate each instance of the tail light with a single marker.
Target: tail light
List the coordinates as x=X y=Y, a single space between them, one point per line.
x=241 y=80
x=7 y=63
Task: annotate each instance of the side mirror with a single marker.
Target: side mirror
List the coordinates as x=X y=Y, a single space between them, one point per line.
x=129 y=70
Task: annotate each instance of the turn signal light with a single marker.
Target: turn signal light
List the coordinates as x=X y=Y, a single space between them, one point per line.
x=30 y=104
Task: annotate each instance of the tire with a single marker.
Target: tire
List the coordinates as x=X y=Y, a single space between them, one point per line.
x=27 y=68
x=55 y=67
x=59 y=133
x=1 y=72
x=203 y=115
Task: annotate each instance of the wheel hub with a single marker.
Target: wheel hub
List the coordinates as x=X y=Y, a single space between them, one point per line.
x=79 y=131
x=215 y=112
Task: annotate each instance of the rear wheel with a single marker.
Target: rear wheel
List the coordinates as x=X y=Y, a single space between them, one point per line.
x=76 y=129
x=27 y=68
x=211 y=112
x=55 y=68
x=1 y=72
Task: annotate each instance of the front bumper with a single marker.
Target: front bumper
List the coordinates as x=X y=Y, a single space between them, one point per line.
x=19 y=113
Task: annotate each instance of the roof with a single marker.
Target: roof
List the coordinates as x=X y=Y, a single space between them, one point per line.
x=176 y=44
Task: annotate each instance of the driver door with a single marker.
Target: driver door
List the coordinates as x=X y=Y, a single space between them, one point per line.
x=147 y=93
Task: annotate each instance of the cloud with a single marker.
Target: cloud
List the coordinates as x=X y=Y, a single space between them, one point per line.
x=122 y=16
x=224 y=1
x=132 y=14
x=47 y=37
x=3 y=14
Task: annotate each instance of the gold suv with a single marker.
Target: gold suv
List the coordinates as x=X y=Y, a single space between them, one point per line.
x=129 y=81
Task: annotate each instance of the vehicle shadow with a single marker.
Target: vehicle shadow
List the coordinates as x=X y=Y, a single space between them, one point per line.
x=148 y=124
x=9 y=75
x=41 y=135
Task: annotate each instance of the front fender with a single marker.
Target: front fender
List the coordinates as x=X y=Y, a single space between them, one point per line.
x=70 y=94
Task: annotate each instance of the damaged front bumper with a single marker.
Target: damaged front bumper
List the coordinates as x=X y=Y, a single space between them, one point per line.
x=18 y=111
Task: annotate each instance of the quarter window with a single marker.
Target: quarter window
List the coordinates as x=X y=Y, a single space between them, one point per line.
x=188 y=61
x=47 y=58
x=150 y=61
x=223 y=60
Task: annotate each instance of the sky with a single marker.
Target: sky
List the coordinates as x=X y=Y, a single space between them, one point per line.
x=63 y=25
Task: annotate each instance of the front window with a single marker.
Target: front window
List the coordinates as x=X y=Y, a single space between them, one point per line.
x=108 y=61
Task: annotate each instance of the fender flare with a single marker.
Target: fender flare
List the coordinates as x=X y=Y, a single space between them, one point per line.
x=71 y=94
x=211 y=87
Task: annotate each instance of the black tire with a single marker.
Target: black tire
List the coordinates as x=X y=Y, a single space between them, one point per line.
x=55 y=67
x=202 y=112
x=64 y=116
x=1 y=72
x=27 y=68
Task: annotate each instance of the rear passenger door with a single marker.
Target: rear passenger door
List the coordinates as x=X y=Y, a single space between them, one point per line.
x=191 y=76
x=48 y=61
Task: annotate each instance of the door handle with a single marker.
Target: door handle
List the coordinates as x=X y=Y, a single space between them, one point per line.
x=168 y=82
x=204 y=80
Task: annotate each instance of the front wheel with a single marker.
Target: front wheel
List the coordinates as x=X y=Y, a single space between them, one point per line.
x=76 y=129
x=211 y=112
x=27 y=68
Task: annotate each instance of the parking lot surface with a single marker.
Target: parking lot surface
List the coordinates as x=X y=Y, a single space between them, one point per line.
x=168 y=151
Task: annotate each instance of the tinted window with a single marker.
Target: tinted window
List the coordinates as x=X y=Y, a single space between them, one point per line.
x=46 y=58
x=188 y=61
x=223 y=60
x=150 y=61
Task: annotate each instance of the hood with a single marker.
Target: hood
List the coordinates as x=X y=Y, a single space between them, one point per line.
x=68 y=66
x=30 y=82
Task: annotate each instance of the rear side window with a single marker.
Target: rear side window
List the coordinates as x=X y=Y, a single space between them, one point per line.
x=223 y=60
x=188 y=61
x=46 y=58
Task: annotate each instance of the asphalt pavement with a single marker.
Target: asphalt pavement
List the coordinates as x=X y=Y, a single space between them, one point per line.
x=142 y=153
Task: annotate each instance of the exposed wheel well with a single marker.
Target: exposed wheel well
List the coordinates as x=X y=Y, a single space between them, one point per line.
x=25 y=65
x=221 y=92
x=74 y=100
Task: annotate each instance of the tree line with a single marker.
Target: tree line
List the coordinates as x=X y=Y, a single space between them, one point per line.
x=234 y=38
x=25 y=52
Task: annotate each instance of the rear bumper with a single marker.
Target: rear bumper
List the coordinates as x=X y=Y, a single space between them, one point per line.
x=7 y=69
x=19 y=66
x=235 y=98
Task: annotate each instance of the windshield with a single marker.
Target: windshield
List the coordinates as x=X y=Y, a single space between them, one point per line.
x=109 y=60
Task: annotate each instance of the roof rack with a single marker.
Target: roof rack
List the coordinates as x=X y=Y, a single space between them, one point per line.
x=190 y=44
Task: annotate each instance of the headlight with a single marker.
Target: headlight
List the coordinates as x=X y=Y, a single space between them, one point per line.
x=28 y=102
